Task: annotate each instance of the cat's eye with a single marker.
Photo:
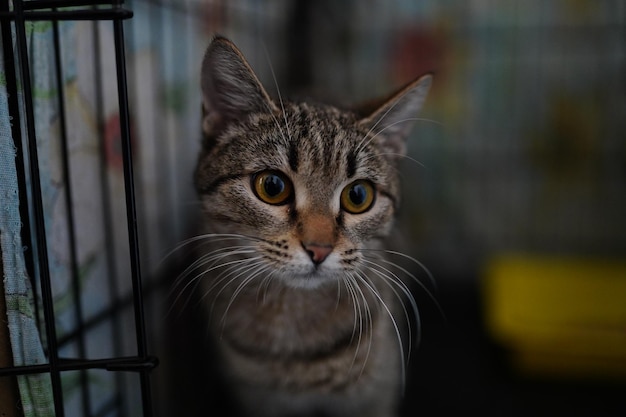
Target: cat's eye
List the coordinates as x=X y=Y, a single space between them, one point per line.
x=357 y=197
x=272 y=187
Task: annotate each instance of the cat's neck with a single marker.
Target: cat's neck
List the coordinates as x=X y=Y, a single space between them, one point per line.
x=275 y=319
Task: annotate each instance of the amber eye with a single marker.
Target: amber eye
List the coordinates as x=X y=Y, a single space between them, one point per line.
x=357 y=197
x=272 y=187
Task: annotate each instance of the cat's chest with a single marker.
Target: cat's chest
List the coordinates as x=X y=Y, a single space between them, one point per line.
x=290 y=322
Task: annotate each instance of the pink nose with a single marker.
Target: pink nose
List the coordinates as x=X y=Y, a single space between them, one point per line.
x=318 y=253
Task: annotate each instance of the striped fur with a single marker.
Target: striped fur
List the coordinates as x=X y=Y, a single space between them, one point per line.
x=300 y=337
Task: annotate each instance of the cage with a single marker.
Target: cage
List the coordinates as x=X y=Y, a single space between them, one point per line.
x=522 y=151
x=69 y=310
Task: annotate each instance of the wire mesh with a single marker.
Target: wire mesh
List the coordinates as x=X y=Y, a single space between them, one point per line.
x=78 y=369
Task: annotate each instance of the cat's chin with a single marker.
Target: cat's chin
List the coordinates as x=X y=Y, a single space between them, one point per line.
x=309 y=281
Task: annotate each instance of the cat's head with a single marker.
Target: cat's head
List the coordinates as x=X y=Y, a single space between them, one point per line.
x=309 y=185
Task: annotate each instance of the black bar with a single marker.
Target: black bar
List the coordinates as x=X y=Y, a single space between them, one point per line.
x=127 y=364
x=131 y=211
x=42 y=246
x=93 y=14
x=71 y=225
x=50 y=4
x=113 y=312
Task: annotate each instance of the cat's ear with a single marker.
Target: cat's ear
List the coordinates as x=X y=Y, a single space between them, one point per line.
x=230 y=89
x=391 y=119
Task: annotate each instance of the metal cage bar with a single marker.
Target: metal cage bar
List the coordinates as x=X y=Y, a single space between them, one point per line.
x=78 y=310
x=17 y=61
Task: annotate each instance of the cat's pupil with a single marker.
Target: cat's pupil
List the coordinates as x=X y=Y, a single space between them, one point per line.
x=273 y=185
x=358 y=194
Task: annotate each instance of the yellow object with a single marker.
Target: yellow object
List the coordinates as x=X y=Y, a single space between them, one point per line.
x=559 y=316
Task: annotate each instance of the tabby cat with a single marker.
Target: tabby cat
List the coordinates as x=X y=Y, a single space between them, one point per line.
x=297 y=198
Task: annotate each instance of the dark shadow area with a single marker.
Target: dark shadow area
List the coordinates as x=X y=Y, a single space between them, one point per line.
x=459 y=370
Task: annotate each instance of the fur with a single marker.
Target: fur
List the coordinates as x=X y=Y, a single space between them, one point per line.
x=306 y=308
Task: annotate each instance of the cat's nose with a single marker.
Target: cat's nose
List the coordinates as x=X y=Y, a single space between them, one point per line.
x=318 y=253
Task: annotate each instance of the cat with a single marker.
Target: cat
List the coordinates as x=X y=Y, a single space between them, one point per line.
x=297 y=200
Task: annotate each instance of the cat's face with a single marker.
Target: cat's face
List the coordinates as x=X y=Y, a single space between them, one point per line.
x=308 y=187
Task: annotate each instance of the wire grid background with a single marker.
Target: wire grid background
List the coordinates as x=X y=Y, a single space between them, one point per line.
x=526 y=152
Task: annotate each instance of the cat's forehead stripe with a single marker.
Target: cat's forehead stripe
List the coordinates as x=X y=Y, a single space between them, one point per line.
x=321 y=139
x=293 y=156
x=351 y=164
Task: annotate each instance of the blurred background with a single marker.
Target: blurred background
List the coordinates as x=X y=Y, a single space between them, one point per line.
x=516 y=202
x=514 y=195
x=522 y=147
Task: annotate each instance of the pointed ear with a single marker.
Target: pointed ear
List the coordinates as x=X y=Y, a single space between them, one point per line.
x=391 y=120
x=230 y=89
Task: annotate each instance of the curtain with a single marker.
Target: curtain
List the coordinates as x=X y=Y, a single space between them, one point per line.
x=27 y=349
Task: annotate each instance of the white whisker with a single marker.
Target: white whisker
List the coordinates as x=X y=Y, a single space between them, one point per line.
x=395 y=154
x=368 y=325
x=259 y=269
x=363 y=278
x=365 y=143
x=197 y=278
x=357 y=324
x=416 y=280
x=431 y=278
x=209 y=238
x=226 y=279
x=211 y=259
x=265 y=285
x=280 y=99
x=362 y=143
x=389 y=278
